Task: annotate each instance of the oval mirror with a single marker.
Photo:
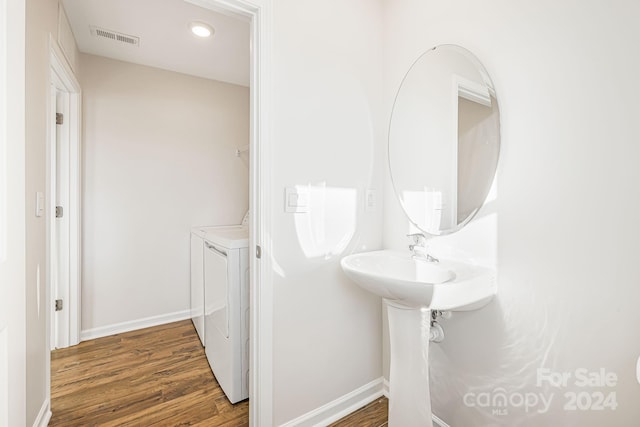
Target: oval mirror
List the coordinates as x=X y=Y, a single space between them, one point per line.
x=444 y=139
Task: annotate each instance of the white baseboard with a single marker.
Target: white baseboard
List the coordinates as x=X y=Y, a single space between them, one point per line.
x=385 y=391
x=132 y=325
x=44 y=416
x=340 y=407
x=438 y=421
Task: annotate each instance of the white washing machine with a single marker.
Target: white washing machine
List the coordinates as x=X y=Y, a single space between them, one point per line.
x=197 y=274
x=197 y=281
x=226 y=307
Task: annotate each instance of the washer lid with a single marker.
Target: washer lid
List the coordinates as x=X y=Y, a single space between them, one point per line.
x=230 y=237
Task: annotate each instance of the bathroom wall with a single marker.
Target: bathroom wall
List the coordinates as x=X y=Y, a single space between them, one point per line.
x=159 y=158
x=565 y=219
x=328 y=140
x=41 y=23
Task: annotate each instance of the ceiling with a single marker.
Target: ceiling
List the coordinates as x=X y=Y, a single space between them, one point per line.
x=166 y=41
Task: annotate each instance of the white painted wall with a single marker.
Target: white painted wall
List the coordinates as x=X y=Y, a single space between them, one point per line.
x=66 y=40
x=159 y=158
x=41 y=22
x=327 y=137
x=567 y=208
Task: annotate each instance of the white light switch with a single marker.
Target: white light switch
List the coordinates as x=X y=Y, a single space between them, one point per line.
x=370 y=200
x=296 y=200
x=292 y=200
x=39 y=203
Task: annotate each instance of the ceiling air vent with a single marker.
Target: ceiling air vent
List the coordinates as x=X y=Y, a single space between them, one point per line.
x=115 y=36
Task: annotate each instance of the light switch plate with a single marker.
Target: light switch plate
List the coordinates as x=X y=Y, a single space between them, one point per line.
x=296 y=200
x=370 y=201
x=39 y=203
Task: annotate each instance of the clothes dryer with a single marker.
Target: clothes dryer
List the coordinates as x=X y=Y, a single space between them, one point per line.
x=226 y=308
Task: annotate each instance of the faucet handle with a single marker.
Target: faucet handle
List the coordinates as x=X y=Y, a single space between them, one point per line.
x=417 y=238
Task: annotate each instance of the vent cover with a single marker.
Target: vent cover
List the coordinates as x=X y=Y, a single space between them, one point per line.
x=115 y=36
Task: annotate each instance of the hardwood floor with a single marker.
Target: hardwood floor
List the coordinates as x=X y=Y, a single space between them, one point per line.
x=155 y=376
x=373 y=415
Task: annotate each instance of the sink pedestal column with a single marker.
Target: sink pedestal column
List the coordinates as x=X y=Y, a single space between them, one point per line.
x=409 y=398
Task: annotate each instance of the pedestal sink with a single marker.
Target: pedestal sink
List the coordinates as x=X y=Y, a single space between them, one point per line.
x=412 y=288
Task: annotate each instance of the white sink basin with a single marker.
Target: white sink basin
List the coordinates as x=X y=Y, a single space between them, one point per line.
x=445 y=285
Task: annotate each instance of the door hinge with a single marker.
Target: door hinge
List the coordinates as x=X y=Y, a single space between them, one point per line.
x=58 y=305
x=59 y=118
x=59 y=212
x=258 y=252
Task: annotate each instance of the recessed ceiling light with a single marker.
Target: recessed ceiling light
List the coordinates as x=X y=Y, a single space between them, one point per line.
x=201 y=29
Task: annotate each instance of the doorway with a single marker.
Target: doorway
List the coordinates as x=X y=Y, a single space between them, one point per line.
x=64 y=189
x=259 y=196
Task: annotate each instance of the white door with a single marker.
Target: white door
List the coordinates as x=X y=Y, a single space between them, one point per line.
x=63 y=182
x=60 y=271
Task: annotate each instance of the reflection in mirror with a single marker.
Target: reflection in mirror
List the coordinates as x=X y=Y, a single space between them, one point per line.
x=477 y=157
x=444 y=139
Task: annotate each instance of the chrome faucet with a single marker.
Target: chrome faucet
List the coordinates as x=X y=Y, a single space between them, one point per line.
x=418 y=247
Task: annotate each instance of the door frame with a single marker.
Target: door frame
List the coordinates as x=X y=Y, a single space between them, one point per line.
x=64 y=80
x=259 y=14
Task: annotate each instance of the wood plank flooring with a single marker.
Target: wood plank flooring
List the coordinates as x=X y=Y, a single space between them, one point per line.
x=156 y=376
x=373 y=415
